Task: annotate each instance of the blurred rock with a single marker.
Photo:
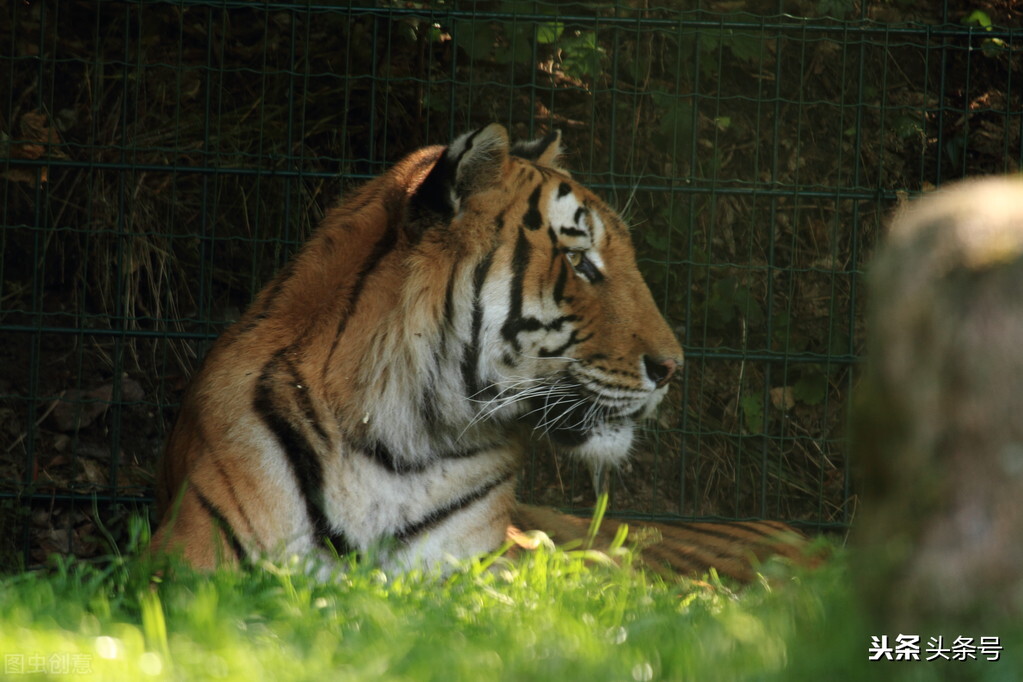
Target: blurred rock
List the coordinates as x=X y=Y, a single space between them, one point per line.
x=938 y=429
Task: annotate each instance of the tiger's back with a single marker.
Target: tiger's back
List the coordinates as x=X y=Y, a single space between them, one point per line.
x=377 y=393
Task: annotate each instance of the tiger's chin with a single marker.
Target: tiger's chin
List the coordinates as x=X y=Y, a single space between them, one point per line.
x=602 y=447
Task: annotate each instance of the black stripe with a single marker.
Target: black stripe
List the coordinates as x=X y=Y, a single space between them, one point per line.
x=437 y=516
x=261 y=307
x=692 y=559
x=275 y=288
x=301 y=394
x=573 y=339
x=579 y=213
x=559 y=284
x=471 y=356
x=222 y=523
x=590 y=381
x=449 y=298
x=468 y=146
x=515 y=323
x=563 y=189
x=555 y=251
x=533 y=149
x=448 y=325
x=724 y=534
x=383 y=246
x=758 y=528
x=533 y=219
x=381 y=454
x=469 y=452
x=590 y=271
x=525 y=176
x=301 y=455
x=429 y=403
x=229 y=485
x=305 y=465
x=544 y=171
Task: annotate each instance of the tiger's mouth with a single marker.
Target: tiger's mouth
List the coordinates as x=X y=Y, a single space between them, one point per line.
x=595 y=428
x=571 y=419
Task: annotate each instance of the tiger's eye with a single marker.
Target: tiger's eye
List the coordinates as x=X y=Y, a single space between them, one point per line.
x=575 y=258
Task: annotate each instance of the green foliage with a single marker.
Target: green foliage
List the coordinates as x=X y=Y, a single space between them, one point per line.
x=978 y=18
x=746 y=47
x=674 y=123
x=989 y=46
x=523 y=42
x=721 y=44
x=811 y=387
x=549 y=615
x=753 y=412
x=838 y=9
x=730 y=299
x=908 y=126
x=549 y=33
x=581 y=56
x=658 y=240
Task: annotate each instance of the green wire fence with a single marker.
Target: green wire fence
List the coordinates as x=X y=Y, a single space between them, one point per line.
x=160 y=160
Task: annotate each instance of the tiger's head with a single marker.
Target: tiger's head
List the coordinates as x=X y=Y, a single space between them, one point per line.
x=545 y=316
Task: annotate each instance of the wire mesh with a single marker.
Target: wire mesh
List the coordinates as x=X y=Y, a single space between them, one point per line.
x=160 y=160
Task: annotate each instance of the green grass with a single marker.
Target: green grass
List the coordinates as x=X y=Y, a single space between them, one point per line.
x=550 y=615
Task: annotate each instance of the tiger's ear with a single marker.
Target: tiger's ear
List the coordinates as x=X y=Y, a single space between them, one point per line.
x=543 y=152
x=473 y=162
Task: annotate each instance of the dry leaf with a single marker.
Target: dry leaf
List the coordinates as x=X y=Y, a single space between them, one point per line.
x=92 y=473
x=782 y=399
x=36 y=140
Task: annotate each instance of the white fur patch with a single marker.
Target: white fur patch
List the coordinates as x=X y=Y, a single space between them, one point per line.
x=608 y=445
x=371 y=503
x=577 y=230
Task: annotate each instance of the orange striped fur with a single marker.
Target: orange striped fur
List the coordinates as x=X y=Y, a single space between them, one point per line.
x=732 y=548
x=377 y=394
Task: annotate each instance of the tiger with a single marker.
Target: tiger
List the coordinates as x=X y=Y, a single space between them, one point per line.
x=380 y=392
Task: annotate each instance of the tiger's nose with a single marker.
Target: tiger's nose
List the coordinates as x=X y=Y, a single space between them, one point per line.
x=660 y=370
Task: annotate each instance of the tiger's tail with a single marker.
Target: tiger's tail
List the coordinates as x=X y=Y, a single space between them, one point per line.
x=732 y=548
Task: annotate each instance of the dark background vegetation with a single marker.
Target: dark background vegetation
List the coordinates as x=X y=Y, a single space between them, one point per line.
x=160 y=160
